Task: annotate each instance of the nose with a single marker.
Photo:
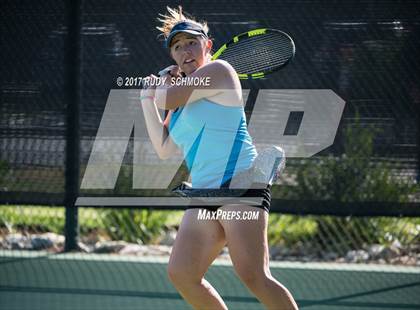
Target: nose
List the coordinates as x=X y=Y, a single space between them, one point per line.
x=186 y=52
x=186 y=49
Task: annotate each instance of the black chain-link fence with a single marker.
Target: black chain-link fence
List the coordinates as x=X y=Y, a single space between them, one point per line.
x=367 y=53
x=356 y=201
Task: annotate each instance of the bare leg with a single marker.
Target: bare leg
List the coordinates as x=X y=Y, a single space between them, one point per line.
x=248 y=249
x=196 y=246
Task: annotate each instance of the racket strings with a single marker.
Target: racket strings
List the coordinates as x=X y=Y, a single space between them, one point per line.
x=258 y=58
x=282 y=43
x=272 y=38
x=275 y=49
x=259 y=53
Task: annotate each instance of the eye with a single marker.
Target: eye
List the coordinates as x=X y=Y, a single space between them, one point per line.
x=193 y=42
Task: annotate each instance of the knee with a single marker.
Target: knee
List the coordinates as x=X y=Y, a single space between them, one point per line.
x=180 y=275
x=175 y=274
x=253 y=278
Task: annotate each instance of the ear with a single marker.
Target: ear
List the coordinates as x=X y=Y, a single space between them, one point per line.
x=209 y=45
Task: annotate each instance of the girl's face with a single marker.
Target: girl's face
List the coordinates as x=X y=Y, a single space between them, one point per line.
x=190 y=52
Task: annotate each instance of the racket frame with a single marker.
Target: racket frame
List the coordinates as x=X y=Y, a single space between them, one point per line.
x=252 y=33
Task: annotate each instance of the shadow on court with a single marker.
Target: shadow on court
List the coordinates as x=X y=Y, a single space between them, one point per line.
x=32 y=280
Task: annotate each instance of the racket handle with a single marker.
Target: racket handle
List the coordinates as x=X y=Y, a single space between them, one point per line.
x=163 y=72
x=167 y=70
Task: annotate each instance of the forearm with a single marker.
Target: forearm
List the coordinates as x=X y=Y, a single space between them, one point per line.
x=160 y=100
x=216 y=76
x=155 y=128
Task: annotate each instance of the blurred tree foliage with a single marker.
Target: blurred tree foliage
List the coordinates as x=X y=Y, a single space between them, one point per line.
x=350 y=177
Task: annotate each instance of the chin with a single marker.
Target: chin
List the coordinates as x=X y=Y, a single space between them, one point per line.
x=188 y=72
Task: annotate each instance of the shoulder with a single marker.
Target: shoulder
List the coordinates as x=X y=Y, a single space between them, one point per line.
x=220 y=66
x=227 y=81
x=221 y=73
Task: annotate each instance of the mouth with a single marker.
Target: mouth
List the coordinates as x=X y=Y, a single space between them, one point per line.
x=188 y=61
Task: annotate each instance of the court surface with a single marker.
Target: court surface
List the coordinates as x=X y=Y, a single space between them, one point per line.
x=36 y=280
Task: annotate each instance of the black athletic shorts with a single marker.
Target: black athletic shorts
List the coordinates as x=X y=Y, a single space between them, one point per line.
x=264 y=193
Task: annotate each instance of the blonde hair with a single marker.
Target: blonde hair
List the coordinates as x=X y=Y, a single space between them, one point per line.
x=174 y=17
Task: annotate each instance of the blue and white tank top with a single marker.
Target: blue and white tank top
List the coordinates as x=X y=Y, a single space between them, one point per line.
x=214 y=140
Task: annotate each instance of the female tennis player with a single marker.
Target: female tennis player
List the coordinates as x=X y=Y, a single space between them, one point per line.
x=219 y=106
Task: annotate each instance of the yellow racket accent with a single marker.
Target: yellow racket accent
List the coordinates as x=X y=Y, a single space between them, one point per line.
x=256 y=32
x=257 y=75
x=252 y=76
x=217 y=54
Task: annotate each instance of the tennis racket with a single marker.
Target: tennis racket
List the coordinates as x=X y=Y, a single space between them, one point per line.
x=256 y=53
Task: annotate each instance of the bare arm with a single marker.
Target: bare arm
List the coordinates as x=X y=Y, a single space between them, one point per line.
x=157 y=130
x=221 y=75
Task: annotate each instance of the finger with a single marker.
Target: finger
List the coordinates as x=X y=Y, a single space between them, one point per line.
x=165 y=71
x=175 y=71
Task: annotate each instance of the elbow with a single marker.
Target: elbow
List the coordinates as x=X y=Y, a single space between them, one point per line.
x=162 y=102
x=164 y=155
x=163 y=105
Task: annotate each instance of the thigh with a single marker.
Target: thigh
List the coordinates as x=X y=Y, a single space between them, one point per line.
x=247 y=240
x=197 y=244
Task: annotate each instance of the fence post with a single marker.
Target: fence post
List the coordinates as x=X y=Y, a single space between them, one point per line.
x=72 y=98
